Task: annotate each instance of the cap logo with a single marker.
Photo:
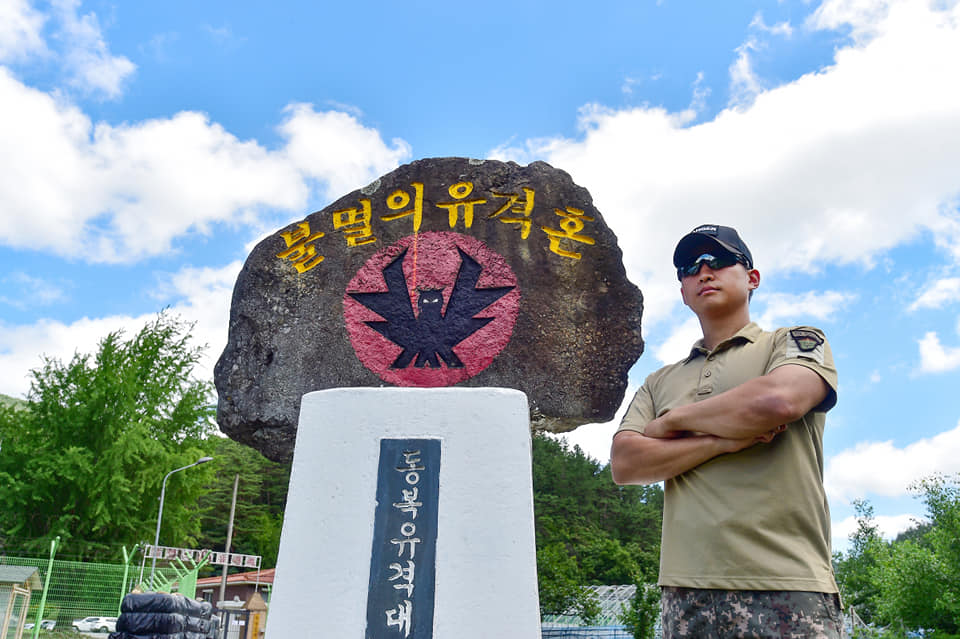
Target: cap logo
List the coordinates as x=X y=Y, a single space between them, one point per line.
x=706 y=228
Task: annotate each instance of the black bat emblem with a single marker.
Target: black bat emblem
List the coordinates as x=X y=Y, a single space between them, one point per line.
x=430 y=335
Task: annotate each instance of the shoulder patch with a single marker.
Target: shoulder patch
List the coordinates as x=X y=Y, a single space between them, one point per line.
x=805 y=343
x=806 y=340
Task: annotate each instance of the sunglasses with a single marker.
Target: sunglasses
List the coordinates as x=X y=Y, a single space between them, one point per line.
x=715 y=263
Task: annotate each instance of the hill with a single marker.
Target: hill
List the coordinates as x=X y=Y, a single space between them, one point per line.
x=6 y=400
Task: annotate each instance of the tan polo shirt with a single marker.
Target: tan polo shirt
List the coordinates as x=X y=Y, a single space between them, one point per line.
x=757 y=519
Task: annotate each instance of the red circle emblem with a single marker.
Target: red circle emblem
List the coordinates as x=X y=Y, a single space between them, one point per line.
x=434 y=309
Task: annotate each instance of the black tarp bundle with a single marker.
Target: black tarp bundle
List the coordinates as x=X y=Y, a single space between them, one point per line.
x=158 y=615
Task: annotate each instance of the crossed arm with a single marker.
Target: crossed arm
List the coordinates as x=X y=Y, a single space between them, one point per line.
x=756 y=411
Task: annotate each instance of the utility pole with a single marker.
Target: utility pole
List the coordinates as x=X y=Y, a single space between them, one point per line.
x=233 y=509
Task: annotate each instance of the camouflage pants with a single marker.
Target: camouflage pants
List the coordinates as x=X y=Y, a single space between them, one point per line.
x=691 y=613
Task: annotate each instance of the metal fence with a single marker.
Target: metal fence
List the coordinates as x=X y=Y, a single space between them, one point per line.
x=77 y=589
x=585 y=632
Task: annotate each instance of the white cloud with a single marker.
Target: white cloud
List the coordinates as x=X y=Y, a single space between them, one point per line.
x=197 y=284
x=335 y=148
x=202 y=296
x=159 y=179
x=24 y=291
x=836 y=167
x=935 y=357
x=594 y=439
x=120 y=193
x=700 y=93
x=197 y=295
x=77 y=45
x=782 y=308
x=881 y=468
x=20 y=30
x=87 y=59
x=745 y=85
x=938 y=294
x=159 y=46
x=889 y=527
x=224 y=36
x=678 y=343
x=21 y=346
x=780 y=28
x=629 y=84
x=865 y=18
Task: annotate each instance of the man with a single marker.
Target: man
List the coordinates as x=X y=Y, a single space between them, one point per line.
x=735 y=432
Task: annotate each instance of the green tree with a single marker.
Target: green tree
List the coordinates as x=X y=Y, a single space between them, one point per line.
x=85 y=457
x=588 y=530
x=857 y=572
x=261 y=498
x=642 y=612
x=941 y=494
x=562 y=584
x=920 y=580
x=910 y=581
x=913 y=582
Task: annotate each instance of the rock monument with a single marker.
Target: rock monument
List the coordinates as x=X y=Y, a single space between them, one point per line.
x=443 y=272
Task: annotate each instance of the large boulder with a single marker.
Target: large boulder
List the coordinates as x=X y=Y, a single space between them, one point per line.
x=445 y=271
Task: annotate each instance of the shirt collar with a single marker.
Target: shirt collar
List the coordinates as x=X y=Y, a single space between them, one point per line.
x=748 y=333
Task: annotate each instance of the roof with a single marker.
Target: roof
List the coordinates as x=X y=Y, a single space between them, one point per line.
x=20 y=575
x=241 y=578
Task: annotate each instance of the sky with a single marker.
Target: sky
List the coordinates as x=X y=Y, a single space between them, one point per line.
x=146 y=147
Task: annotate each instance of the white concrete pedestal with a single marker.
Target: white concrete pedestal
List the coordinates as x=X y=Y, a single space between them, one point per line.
x=485 y=583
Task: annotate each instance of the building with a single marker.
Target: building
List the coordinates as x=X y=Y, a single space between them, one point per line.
x=16 y=584
x=240 y=586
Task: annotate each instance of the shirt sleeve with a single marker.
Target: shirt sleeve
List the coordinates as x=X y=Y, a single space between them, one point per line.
x=806 y=346
x=640 y=412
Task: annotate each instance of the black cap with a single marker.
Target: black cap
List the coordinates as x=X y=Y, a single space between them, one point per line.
x=690 y=245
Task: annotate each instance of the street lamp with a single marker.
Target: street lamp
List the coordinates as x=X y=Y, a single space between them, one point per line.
x=163 y=491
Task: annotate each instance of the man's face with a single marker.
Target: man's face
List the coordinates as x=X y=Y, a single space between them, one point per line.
x=719 y=289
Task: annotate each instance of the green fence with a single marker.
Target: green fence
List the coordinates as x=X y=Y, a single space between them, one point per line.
x=80 y=589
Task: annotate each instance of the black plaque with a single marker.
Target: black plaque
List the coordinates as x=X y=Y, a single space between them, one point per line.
x=400 y=595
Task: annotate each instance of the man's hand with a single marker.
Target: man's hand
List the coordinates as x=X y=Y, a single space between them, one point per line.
x=641 y=459
x=736 y=445
x=658 y=429
x=752 y=409
x=686 y=436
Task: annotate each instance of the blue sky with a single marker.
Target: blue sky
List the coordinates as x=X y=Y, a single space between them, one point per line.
x=147 y=146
